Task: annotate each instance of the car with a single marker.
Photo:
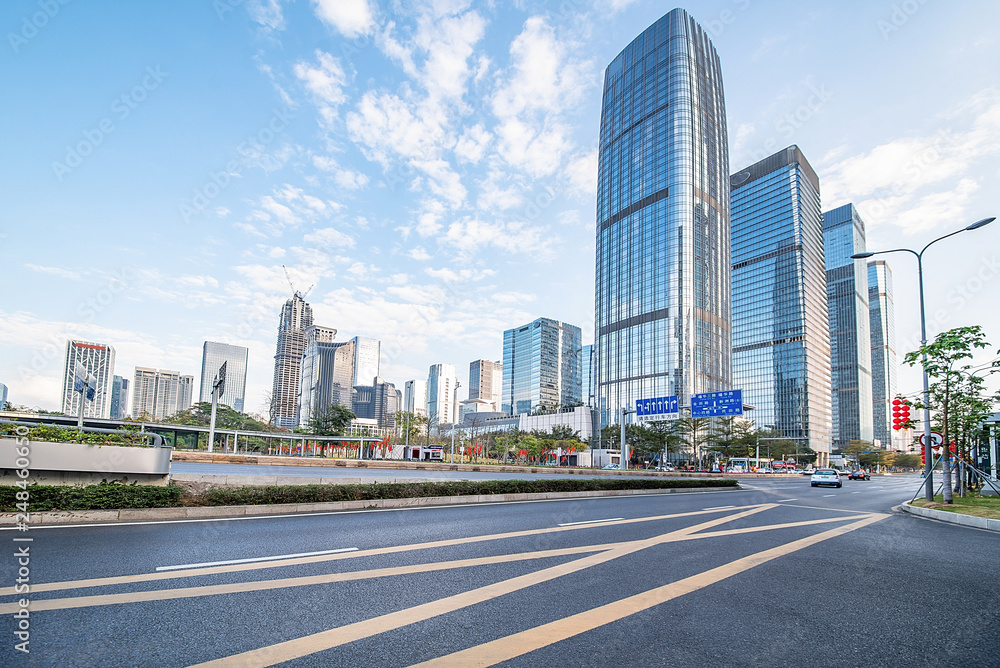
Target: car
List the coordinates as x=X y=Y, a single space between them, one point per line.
x=665 y=467
x=825 y=477
x=808 y=471
x=858 y=474
x=611 y=466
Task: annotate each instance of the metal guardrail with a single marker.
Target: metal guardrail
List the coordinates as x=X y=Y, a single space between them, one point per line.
x=157 y=440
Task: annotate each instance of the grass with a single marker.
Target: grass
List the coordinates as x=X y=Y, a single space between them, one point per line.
x=977 y=506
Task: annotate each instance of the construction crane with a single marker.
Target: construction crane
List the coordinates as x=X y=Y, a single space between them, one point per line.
x=302 y=295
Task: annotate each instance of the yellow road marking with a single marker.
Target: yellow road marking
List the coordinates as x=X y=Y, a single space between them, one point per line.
x=317 y=642
x=212 y=570
x=504 y=649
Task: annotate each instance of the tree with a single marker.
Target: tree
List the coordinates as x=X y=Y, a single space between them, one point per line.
x=331 y=420
x=412 y=422
x=939 y=359
x=692 y=431
x=731 y=435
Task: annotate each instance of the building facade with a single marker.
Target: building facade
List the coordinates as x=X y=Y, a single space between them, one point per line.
x=541 y=367
x=781 y=334
x=213 y=355
x=415 y=397
x=3 y=396
x=442 y=391
x=486 y=383
x=587 y=366
x=366 y=360
x=119 y=398
x=882 y=322
x=850 y=338
x=296 y=317
x=662 y=298
x=99 y=360
x=160 y=393
x=326 y=374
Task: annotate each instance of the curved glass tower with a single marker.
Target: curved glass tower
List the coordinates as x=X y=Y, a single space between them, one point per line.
x=662 y=304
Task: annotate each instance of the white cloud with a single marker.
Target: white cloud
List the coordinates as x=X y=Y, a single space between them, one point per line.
x=351 y=18
x=326 y=82
x=346 y=179
x=329 y=237
x=471 y=235
x=268 y=13
x=55 y=271
x=418 y=253
x=472 y=144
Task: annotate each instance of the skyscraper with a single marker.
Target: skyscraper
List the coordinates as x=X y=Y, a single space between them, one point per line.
x=326 y=374
x=850 y=338
x=781 y=335
x=541 y=366
x=662 y=298
x=296 y=316
x=213 y=355
x=486 y=383
x=882 y=320
x=158 y=394
x=366 y=360
x=587 y=366
x=119 y=398
x=99 y=360
x=415 y=397
x=3 y=397
x=442 y=386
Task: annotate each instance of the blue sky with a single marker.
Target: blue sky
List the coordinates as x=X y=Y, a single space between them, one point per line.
x=429 y=167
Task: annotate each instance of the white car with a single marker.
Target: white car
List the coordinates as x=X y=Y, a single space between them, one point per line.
x=826 y=477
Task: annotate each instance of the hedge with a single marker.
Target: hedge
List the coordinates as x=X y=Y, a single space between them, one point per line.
x=102 y=496
x=113 y=496
x=239 y=496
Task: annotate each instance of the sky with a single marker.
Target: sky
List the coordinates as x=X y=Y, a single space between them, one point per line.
x=425 y=170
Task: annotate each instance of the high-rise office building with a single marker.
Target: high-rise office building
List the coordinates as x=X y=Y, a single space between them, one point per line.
x=781 y=335
x=587 y=367
x=366 y=360
x=119 y=398
x=296 y=316
x=213 y=356
x=3 y=397
x=850 y=338
x=486 y=384
x=442 y=388
x=541 y=366
x=386 y=402
x=99 y=360
x=662 y=302
x=882 y=320
x=326 y=374
x=158 y=394
x=415 y=397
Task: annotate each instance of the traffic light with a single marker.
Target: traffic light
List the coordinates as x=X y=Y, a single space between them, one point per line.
x=901 y=414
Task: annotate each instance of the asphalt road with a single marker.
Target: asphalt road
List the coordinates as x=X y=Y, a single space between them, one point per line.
x=777 y=574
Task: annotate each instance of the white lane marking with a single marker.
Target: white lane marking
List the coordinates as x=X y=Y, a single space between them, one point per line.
x=855 y=492
x=571 y=524
x=718 y=508
x=784 y=500
x=825 y=495
x=253 y=559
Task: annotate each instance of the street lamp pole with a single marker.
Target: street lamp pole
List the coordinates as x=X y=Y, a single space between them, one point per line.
x=928 y=453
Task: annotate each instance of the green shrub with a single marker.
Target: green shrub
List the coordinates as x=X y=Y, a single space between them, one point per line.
x=103 y=496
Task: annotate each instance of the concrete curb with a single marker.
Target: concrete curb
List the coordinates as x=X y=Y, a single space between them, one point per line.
x=201 y=512
x=952 y=518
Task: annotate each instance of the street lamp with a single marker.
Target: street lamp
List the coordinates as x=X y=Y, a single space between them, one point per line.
x=928 y=459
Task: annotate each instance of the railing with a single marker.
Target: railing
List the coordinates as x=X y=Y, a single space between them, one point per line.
x=157 y=440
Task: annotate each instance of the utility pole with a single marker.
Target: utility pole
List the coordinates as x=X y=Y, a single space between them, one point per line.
x=218 y=385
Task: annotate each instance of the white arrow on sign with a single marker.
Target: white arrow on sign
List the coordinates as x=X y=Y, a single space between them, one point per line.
x=937 y=438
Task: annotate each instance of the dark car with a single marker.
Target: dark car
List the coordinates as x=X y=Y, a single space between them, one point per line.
x=858 y=474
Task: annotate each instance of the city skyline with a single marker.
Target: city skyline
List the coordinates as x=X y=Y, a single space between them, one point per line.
x=436 y=242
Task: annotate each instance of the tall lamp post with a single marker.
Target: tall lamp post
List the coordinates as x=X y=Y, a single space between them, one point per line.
x=928 y=456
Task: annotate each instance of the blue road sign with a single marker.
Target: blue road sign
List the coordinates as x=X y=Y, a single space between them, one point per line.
x=714 y=404
x=660 y=408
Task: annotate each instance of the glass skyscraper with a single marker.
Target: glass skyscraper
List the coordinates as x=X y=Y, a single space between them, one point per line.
x=662 y=297
x=850 y=340
x=882 y=319
x=781 y=336
x=213 y=355
x=541 y=366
